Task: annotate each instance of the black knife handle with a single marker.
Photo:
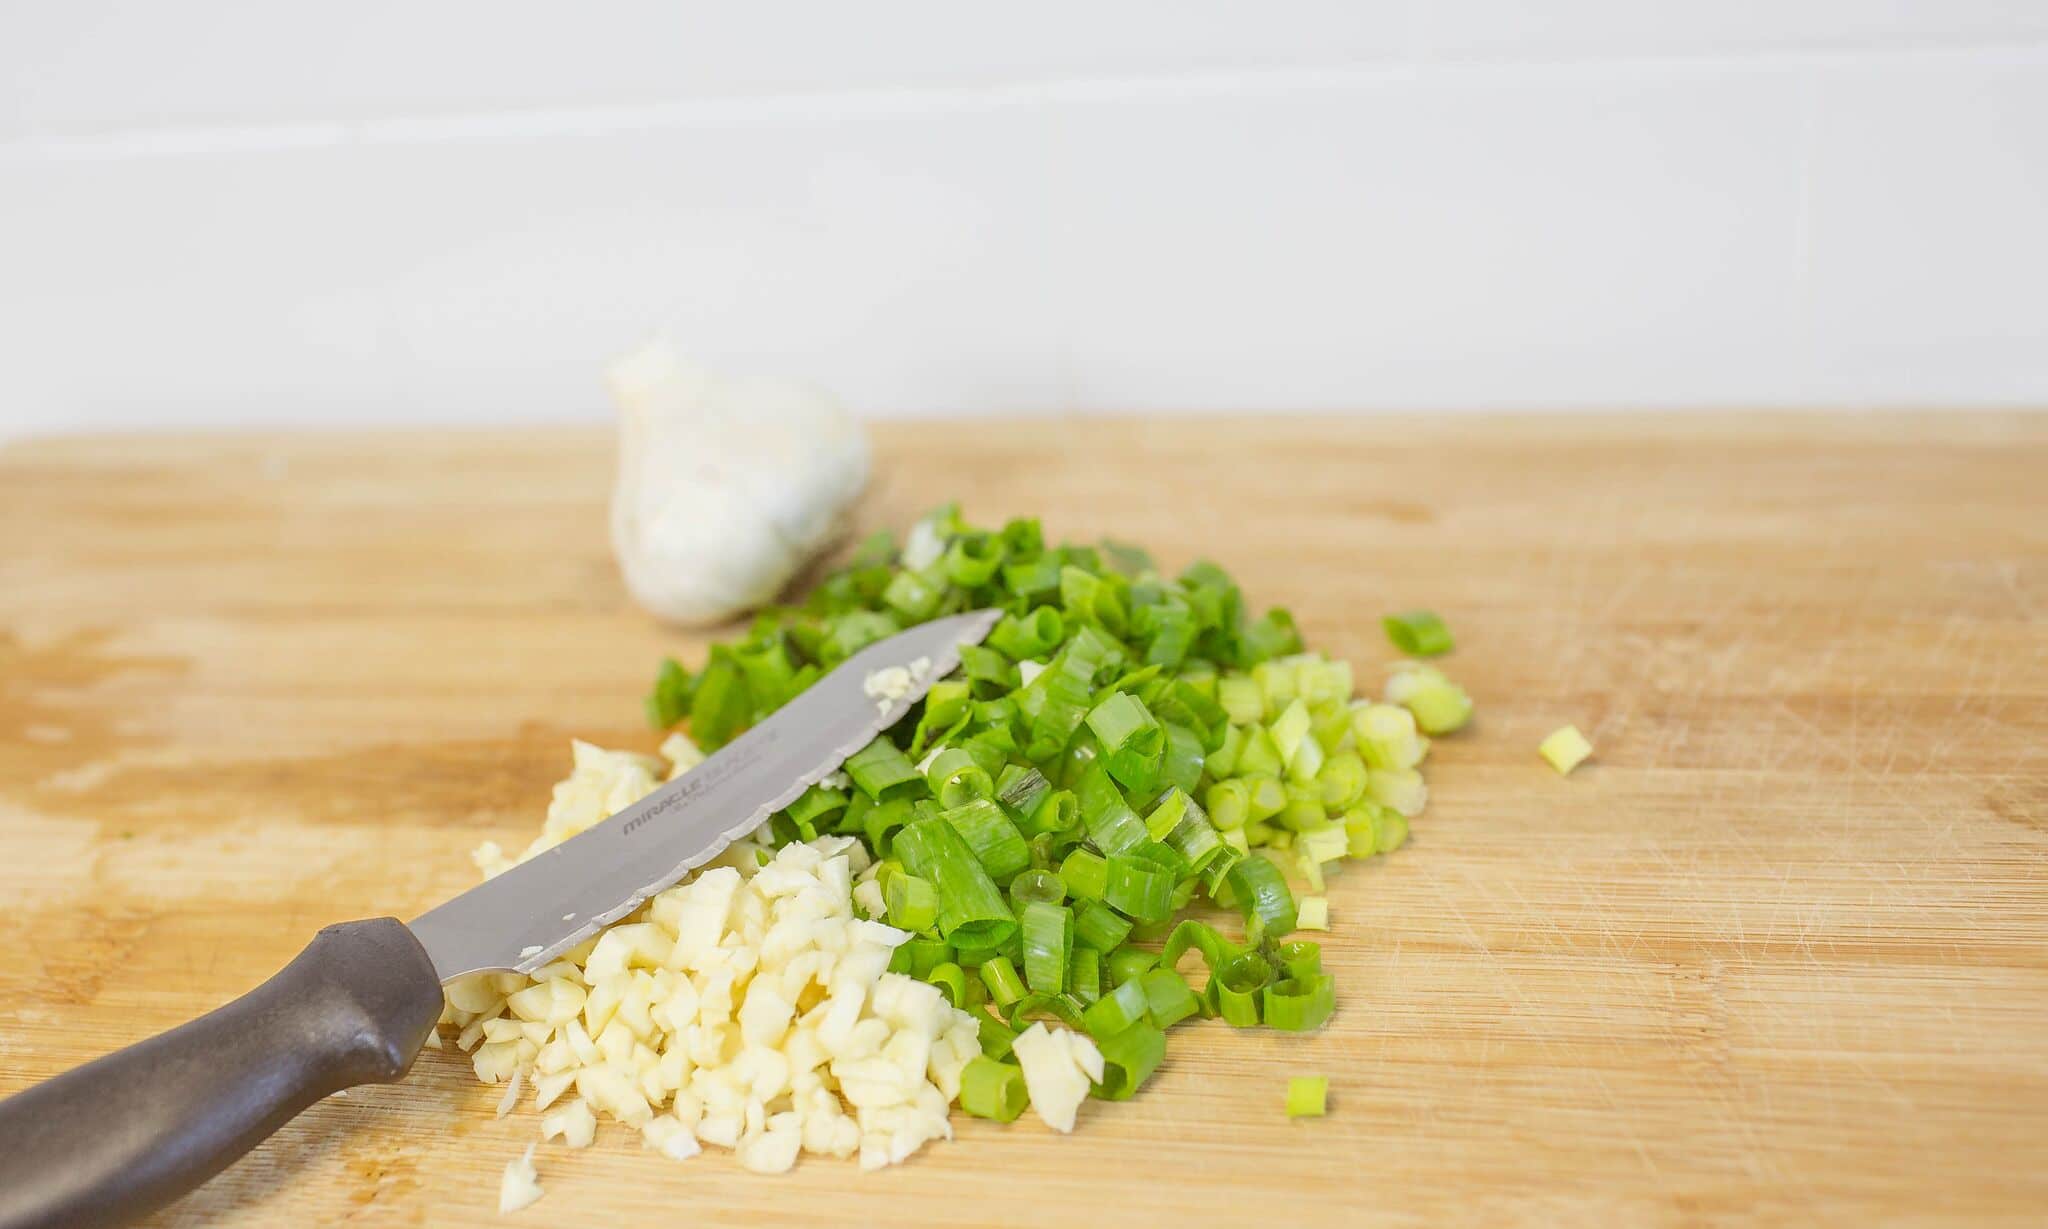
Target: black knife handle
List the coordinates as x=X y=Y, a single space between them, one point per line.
x=125 y=1134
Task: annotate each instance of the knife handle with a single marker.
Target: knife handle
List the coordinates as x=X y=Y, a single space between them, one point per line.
x=125 y=1134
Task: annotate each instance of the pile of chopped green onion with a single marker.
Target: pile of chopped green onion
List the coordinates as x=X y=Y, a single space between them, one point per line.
x=1122 y=746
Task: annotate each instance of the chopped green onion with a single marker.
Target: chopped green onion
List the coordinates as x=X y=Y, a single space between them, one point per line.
x=1272 y=635
x=972 y=559
x=1259 y=756
x=1389 y=830
x=1290 y=733
x=1230 y=803
x=1127 y=963
x=1268 y=798
x=1565 y=749
x=1188 y=831
x=1062 y=1007
x=1128 y=1059
x=948 y=707
x=993 y=1089
x=912 y=903
x=971 y=909
x=1386 y=736
x=1301 y=958
x=1168 y=998
x=924 y=955
x=846 y=635
x=1037 y=885
x=884 y=773
x=1084 y=974
x=669 y=702
x=1085 y=874
x=991 y=837
x=720 y=706
x=956 y=779
x=1399 y=788
x=1262 y=893
x=1112 y=824
x=1342 y=780
x=880 y=822
x=951 y=979
x=1055 y=778
x=1326 y=844
x=1100 y=927
x=1418 y=633
x=1056 y=813
x=1200 y=936
x=1440 y=706
x=1116 y=1011
x=1092 y=598
x=1299 y=1004
x=1024 y=793
x=1140 y=887
x=816 y=807
x=1048 y=931
x=1182 y=764
x=1239 y=982
x=912 y=596
x=1131 y=738
x=1022 y=637
x=1307 y=1096
x=1000 y=976
x=1241 y=698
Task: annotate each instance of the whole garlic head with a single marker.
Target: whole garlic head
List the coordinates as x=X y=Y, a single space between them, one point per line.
x=726 y=486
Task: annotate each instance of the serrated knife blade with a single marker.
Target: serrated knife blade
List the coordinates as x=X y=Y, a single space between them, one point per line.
x=524 y=917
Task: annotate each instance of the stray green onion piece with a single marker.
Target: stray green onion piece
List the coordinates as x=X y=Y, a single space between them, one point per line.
x=993 y=1089
x=1418 y=633
x=1308 y=1096
x=1565 y=749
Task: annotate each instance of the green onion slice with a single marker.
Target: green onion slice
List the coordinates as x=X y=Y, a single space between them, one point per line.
x=971 y=909
x=1418 y=633
x=1048 y=931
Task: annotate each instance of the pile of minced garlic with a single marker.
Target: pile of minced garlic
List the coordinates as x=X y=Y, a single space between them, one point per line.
x=748 y=1007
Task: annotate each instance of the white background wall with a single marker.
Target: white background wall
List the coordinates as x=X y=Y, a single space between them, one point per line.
x=231 y=211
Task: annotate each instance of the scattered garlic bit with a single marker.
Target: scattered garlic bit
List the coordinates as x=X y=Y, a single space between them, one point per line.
x=748 y=1007
x=602 y=783
x=511 y=1097
x=520 y=1186
x=1059 y=1067
x=574 y=1122
x=681 y=754
x=886 y=686
x=726 y=487
x=1566 y=749
x=923 y=545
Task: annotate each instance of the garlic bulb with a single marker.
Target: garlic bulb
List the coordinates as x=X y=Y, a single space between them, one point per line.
x=726 y=486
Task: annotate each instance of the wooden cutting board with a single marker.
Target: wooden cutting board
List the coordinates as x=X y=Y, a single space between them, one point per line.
x=1777 y=955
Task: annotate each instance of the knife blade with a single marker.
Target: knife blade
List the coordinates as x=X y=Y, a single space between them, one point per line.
x=127 y=1133
x=526 y=916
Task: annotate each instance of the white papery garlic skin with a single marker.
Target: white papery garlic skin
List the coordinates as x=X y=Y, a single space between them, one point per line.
x=726 y=486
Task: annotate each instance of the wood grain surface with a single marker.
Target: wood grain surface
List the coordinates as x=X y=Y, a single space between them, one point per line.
x=1778 y=955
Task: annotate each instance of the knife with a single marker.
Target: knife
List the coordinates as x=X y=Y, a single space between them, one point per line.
x=127 y=1133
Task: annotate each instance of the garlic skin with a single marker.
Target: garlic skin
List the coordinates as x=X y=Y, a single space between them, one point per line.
x=726 y=486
